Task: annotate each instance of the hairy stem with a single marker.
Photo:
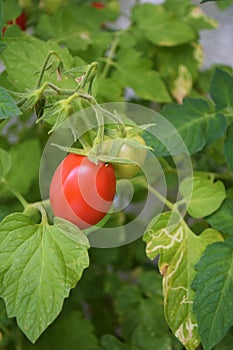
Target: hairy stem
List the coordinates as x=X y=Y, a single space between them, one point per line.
x=51 y=53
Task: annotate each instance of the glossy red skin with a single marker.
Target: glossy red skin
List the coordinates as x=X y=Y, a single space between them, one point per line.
x=82 y=191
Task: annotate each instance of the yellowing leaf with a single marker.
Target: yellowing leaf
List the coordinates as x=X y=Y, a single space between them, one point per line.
x=180 y=249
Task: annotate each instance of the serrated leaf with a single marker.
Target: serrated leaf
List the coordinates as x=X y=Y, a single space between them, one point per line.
x=207 y=196
x=158 y=24
x=228 y=147
x=39 y=265
x=222 y=219
x=25 y=56
x=5 y=163
x=179 y=249
x=221 y=89
x=8 y=107
x=25 y=165
x=213 y=285
x=194 y=121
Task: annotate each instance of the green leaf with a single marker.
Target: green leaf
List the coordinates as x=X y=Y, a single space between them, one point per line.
x=198 y=20
x=39 y=265
x=5 y=163
x=221 y=89
x=25 y=56
x=110 y=342
x=8 y=107
x=221 y=220
x=108 y=90
x=75 y=26
x=144 y=336
x=70 y=330
x=207 y=196
x=10 y=9
x=213 y=285
x=25 y=167
x=127 y=302
x=195 y=121
x=158 y=24
x=147 y=83
x=228 y=147
x=180 y=249
x=179 y=70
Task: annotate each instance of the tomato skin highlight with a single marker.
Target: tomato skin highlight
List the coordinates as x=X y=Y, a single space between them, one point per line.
x=82 y=191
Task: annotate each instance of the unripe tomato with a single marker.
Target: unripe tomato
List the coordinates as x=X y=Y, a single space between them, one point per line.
x=82 y=191
x=138 y=155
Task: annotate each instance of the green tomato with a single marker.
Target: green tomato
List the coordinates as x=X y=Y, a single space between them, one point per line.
x=136 y=154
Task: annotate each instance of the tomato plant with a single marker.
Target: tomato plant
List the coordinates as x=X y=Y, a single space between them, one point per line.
x=83 y=107
x=81 y=191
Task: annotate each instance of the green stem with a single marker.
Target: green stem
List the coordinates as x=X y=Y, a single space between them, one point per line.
x=164 y=200
x=44 y=217
x=89 y=76
x=16 y=193
x=111 y=54
x=61 y=91
x=51 y=53
x=100 y=120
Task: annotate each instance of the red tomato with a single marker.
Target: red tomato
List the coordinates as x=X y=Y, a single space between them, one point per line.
x=82 y=191
x=97 y=5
